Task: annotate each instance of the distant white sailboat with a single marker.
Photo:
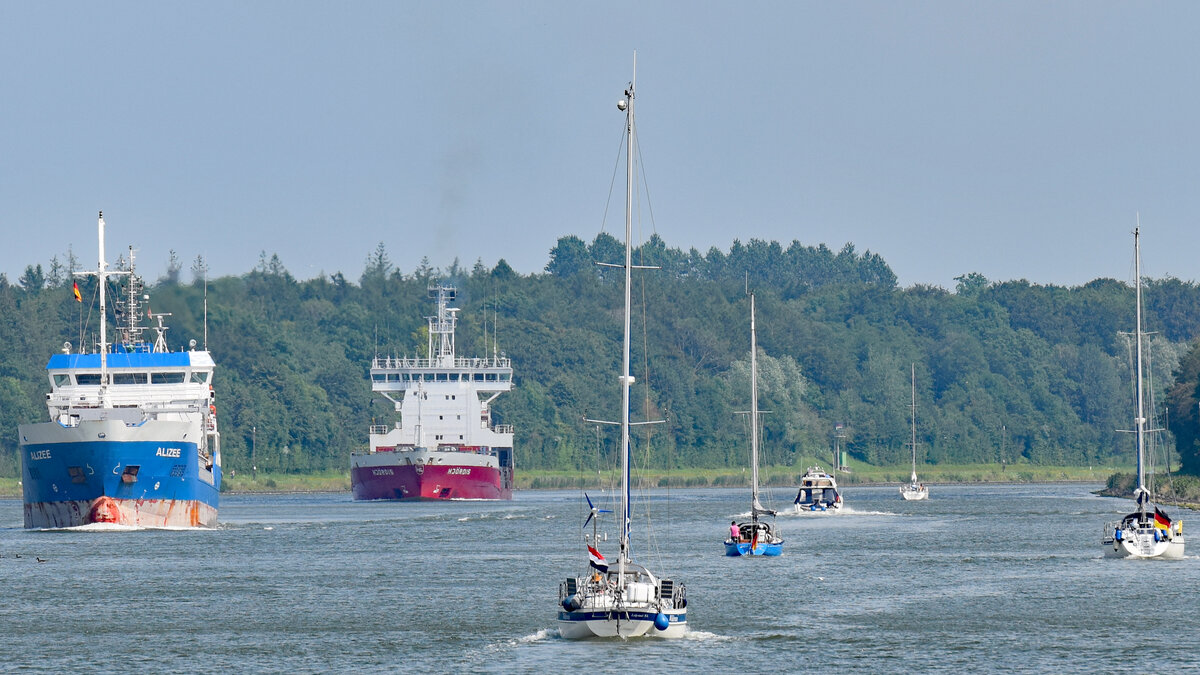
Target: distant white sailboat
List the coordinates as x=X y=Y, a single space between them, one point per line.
x=626 y=599
x=1147 y=532
x=756 y=537
x=914 y=491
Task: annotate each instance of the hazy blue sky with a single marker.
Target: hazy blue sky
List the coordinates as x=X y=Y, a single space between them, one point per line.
x=1015 y=139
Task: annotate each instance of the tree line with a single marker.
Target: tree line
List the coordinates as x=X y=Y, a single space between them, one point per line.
x=1006 y=371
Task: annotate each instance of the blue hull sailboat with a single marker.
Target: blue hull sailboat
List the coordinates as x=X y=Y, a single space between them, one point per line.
x=755 y=537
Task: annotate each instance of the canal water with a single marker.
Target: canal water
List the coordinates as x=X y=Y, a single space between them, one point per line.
x=977 y=579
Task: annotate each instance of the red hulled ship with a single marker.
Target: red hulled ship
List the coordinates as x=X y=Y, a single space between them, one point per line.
x=444 y=446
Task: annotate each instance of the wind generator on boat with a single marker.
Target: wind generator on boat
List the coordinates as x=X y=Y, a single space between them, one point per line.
x=625 y=599
x=915 y=490
x=1147 y=532
x=756 y=537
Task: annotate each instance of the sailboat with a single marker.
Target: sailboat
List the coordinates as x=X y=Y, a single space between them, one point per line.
x=1147 y=532
x=625 y=599
x=914 y=491
x=755 y=537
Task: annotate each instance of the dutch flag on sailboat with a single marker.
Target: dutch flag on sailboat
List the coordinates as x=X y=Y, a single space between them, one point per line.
x=597 y=560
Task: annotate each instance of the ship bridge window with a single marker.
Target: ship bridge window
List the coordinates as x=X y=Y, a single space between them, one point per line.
x=61 y=379
x=454 y=377
x=443 y=377
x=479 y=377
x=491 y=377
x=428 y=377
x=405 y=377
x=166 y=378
x=129 y=378
x=200 y=377
x=393 y=377
x=87 y=378
x=378 y=377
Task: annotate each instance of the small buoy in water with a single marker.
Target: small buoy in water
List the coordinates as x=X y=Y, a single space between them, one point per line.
x=662 y=621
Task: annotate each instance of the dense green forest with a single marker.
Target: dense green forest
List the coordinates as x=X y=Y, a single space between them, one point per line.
x=1009 y=372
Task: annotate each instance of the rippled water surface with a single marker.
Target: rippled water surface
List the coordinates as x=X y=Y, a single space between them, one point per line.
x=978 y=578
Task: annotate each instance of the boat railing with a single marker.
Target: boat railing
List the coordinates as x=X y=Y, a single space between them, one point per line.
x=503 y=428
x=379 y=429
x=391 y=362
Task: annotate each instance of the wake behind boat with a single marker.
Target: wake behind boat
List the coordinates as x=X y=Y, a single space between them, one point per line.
x=818 y=491
x=626 y=599
x=755 y=537
x=132 y=438
x=914 y=491
x=1147 y=532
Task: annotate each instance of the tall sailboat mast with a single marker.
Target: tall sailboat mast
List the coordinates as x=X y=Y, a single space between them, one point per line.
x=754 y=505
x=626 y=380
x=1141 y=414
x=914 y=422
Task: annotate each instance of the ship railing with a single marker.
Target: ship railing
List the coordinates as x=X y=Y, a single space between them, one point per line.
x=380 y=429
x=90 y=402
x=391 y=362
x=503 y=428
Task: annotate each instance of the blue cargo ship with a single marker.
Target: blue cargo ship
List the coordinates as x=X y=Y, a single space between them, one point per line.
x=132 y=437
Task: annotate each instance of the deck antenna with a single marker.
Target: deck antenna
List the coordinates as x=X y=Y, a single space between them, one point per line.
x=206 y=305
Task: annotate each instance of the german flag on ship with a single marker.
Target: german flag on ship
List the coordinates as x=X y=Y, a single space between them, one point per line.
x=1161 y=521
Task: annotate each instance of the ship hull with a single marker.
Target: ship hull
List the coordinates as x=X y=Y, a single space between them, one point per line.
x=108 y=472
x=400 y=482
x=583 y=624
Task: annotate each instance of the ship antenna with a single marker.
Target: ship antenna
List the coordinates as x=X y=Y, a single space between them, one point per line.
x=102 y=274
x=206 y=305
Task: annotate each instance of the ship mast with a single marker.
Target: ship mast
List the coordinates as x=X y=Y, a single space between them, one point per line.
x=102 y=274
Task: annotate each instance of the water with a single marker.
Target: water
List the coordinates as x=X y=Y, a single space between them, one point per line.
x=978 y=578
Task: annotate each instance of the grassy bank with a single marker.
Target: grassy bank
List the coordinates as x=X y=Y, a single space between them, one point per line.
x=860 y=474
x=777 y=476
x=325 y=481
x=1183 y=490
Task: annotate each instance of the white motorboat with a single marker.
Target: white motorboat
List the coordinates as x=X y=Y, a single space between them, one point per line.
x=818 y=491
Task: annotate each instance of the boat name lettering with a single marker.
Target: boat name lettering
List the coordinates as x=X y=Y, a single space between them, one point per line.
x=168 y=452
x=382 y=472
x=35 y=455
x=458 y=471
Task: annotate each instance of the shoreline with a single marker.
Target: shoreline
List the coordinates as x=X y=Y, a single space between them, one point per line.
x=11 y=490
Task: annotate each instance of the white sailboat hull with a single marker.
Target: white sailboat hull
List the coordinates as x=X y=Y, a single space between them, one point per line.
x=1143 y=545
x=626 y=623
x=914 y=494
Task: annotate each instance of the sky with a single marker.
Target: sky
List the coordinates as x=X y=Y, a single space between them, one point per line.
x=1013 y=139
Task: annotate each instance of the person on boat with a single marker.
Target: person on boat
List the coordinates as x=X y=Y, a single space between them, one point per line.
x=734 y=535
